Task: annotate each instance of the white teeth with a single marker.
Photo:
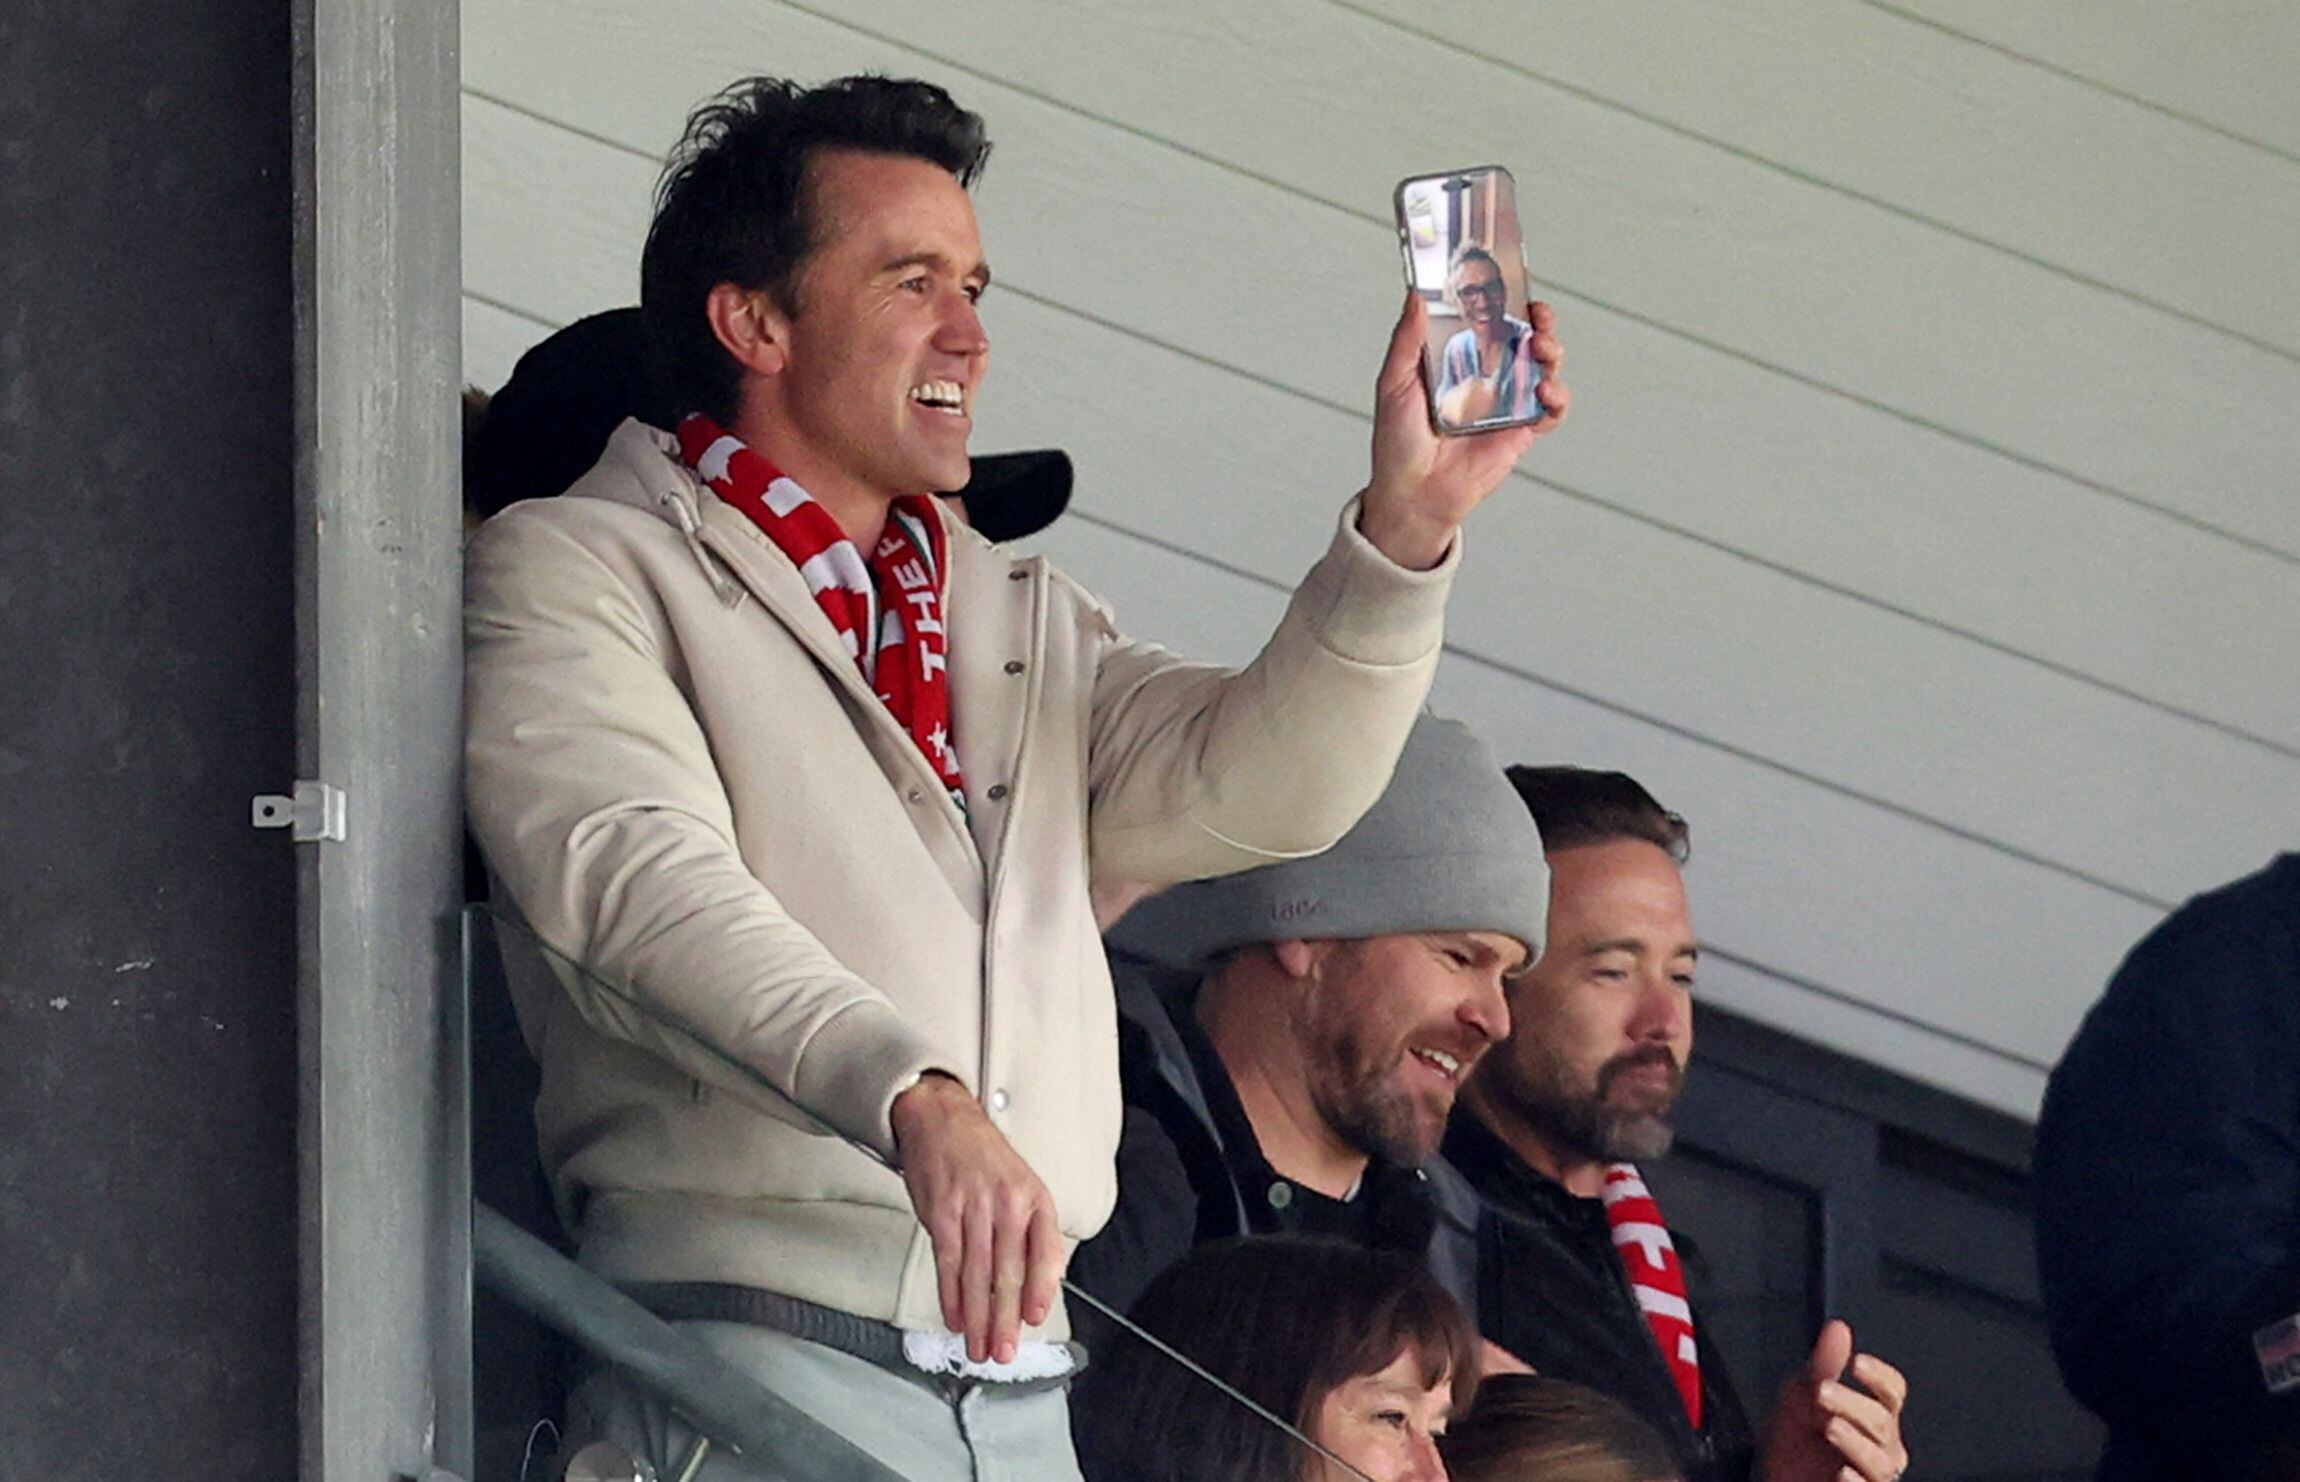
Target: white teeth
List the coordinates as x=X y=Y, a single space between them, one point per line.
x=1441 y=1060
x=940 y=394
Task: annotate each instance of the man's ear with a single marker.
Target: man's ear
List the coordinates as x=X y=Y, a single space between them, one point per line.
x=1298 y=958
x=750 y=327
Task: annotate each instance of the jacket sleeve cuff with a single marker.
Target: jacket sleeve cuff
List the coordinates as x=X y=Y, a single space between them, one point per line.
x=1369 y=609
x=857 y=1063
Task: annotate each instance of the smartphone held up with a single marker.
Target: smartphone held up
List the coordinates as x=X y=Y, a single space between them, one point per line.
x=1464 y=255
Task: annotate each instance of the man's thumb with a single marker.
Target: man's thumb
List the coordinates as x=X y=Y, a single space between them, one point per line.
x=1401 y=366
x=1832 y=1351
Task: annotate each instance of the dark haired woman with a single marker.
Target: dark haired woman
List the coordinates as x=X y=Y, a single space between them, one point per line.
x=1358 y=1349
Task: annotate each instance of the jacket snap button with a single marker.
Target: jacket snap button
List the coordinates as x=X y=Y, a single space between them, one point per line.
x=998 y=1100
x=1281 y=1194
x=997 y=791
x=1014 y=666
x=917 y=796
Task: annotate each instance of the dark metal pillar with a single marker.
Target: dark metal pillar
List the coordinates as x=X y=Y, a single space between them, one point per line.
x=147 y=934
x=228 y=1095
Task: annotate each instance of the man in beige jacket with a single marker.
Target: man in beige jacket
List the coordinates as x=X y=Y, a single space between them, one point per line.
x=826 y=1031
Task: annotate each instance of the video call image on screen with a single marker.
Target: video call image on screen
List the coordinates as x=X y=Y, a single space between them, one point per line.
x=1466 y=255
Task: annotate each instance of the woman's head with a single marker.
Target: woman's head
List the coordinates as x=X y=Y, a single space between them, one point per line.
x=1529 y=1428
x=1360 y=1349
x=1385 y=1424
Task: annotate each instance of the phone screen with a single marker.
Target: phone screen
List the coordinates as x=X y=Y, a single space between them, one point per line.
x=1465 y=255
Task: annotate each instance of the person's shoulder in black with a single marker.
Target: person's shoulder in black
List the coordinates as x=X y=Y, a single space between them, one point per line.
x=1171 y=1174
x=2167 y=1173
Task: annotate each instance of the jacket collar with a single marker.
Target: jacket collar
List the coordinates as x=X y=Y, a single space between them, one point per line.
x=1500 y=1176
x=995 y=609
x=1513 y=1186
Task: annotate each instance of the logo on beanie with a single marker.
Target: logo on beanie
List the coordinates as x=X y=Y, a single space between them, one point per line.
x=1286 y=913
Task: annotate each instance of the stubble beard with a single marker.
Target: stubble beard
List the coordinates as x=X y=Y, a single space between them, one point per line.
x=1357 y=1094
x=1590 y=1122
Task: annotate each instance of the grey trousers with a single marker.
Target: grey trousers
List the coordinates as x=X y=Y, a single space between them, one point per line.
x=923 y=1429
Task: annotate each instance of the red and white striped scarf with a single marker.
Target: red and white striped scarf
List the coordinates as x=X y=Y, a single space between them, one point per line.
x=1650 y=1258
x=895 y=597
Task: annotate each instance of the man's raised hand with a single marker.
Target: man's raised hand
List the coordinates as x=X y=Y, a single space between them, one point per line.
x=997 y=1247
x=1825 y=1430
x=1424 y=485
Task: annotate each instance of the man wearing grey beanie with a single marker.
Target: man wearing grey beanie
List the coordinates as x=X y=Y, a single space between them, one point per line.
x=1292 y=1037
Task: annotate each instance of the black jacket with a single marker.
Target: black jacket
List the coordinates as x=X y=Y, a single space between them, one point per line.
x=2168 y=1190
x=1191 y=1171
x=1552 y=1290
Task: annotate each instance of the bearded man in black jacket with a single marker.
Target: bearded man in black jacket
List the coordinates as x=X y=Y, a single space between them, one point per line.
x=1576 y=1273
x=1292 y=1038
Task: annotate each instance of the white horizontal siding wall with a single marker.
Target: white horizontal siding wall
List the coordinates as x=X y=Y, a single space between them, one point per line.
x=1927 y=529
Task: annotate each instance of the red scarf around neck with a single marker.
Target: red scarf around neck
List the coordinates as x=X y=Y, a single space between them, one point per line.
x=887 y=610
x=1650 y=1257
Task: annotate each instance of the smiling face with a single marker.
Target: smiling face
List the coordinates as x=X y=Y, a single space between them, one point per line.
x=1390 y=1026
x=1478 y=288
x=1602 y=1025
x=1385 y=1424
x=874 y=389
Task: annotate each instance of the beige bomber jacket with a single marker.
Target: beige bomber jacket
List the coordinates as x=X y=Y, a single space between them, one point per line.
x=757 y=917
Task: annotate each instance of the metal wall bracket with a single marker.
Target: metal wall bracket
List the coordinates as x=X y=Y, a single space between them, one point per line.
x=315 y=811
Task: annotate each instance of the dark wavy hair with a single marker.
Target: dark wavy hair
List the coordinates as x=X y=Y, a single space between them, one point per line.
x=1286 y=1320
x=734 y=204
x=1574 y=805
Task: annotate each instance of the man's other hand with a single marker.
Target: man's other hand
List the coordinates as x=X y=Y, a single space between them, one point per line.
x=1825 y=1430
x=1424 y=485
x=997 y=1247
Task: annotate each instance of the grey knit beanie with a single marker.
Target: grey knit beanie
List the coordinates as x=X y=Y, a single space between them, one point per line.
x=1449 y=846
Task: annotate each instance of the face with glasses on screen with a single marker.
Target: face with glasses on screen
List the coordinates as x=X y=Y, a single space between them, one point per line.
x=1476 y=287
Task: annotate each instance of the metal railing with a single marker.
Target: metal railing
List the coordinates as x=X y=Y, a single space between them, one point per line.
x=731 y=1409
